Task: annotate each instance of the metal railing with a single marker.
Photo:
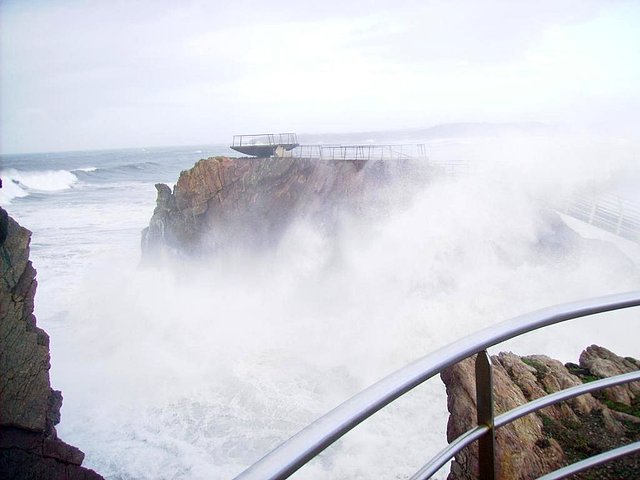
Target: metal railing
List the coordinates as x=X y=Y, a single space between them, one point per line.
x=608 y=212
x=359 y=152
x=309 y=442
x=264 y=139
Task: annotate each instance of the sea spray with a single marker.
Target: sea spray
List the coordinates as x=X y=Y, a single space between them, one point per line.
x=198 y=371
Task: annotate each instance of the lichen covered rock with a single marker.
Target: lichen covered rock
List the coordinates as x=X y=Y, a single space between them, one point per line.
x=523 y=449
x=604 y=363
x=557 y=435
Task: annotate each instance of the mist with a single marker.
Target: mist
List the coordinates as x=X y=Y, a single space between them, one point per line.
x=197 y=369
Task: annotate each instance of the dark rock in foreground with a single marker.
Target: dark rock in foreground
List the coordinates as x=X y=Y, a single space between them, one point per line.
x=29 y=407
x=555 y=436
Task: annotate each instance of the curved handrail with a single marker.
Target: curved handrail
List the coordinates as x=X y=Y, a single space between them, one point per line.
x=553 y=398
x=587 y=463
x=451 y=450
x=306 y=444
x=506 y=418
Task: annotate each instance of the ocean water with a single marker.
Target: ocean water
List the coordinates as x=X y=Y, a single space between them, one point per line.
x=196 y=371
x=85 y=206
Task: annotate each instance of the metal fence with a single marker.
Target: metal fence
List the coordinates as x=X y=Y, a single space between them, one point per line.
x=609 y=212
x=264 y=139
x=359 y=152
x=309 y=442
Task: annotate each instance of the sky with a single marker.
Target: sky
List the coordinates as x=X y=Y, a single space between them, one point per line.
x=81 y=74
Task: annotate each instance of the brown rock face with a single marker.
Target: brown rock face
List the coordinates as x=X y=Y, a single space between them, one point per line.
x=29 y=407
x=223 y=202
x=25 y=391
x=555 y=436
x=523 y=450
x=603 y=363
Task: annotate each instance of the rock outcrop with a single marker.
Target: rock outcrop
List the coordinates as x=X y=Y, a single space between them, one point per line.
x=556 y=435
x=250 y=201
x=29 y=407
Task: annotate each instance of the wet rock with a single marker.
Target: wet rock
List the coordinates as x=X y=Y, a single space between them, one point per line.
x=24 y=348
x=29 y=407
x=234 y=202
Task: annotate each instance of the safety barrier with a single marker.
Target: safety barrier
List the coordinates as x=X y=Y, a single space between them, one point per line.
x=608 y=212
x=272 y=139
x=309 y=442
x=367 y=152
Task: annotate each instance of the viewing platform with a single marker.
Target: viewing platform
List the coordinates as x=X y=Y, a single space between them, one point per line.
x=265 y=145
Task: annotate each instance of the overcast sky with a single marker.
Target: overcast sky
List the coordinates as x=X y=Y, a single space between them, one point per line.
x=107 y=74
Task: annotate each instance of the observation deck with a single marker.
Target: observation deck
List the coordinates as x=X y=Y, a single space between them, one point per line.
x=265 y=145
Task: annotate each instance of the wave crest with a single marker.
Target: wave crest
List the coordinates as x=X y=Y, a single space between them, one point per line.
x=16 y=183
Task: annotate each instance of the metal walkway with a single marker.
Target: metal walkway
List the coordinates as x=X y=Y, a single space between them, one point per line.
x=265 y=145
x=308 y=443
x=608 y=212
x=368 y=152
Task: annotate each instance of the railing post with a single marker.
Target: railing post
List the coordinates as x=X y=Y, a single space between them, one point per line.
x=484 y=400
x=620 y=216
x=594 y=207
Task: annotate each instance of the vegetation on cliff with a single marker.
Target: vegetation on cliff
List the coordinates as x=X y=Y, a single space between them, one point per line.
x=555 y=436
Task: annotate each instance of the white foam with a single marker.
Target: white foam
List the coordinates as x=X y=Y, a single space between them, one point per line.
x=10 y=190
x=40 y=180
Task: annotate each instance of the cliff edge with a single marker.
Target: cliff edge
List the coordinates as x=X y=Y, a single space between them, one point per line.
x=555 y=436
x=29 y=407
x=223 y=202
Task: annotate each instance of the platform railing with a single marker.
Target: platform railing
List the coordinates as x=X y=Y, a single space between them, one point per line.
x=609 y=212
x=264 y=139
x=284 y=460
x=368 y=152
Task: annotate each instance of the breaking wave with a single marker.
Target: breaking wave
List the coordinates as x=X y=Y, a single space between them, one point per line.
x=17 y=184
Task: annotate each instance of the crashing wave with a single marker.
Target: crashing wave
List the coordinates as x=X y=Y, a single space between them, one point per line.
x=17 y=184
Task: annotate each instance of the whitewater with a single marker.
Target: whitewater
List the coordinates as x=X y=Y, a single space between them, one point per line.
x=196 y=372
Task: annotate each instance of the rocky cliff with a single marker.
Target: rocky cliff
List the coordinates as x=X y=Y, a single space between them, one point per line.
x=555 y=436
x=250 y=201
x=29 y=407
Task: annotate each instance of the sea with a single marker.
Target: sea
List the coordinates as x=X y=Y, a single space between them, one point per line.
x=196 y=371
